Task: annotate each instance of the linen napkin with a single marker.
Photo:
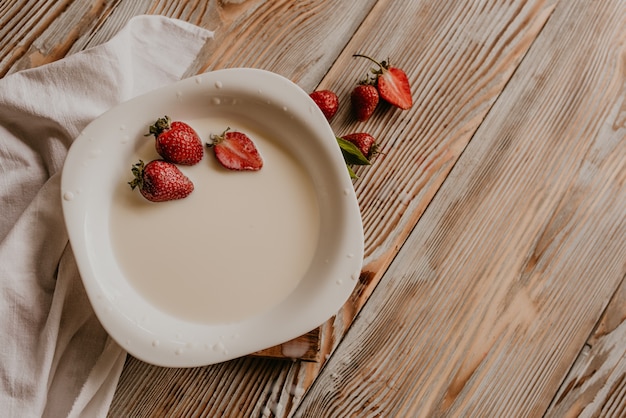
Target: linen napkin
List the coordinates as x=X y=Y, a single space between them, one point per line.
x=55 y=358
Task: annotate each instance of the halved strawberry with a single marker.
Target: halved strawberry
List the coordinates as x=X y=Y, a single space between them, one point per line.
x=392 y=83
x=236 y=151
x=159 y=181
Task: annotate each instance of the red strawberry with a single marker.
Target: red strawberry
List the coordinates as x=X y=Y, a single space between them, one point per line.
x=236 y=151
x=364 y=100
x=160 y=180
x=177 y=142
x=392 y=83
x=364 y=142
x=327 y=101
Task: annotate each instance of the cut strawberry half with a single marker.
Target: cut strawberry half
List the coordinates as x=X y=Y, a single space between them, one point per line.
x=236 y=151
x=392 y=84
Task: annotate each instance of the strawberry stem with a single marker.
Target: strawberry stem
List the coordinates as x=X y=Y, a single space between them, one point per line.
x=137 y=170
x=216 y=139
x=383 y=65
x=161 y=125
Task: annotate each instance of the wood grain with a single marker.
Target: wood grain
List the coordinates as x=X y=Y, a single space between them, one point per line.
x=420 y=147
x=596 y=384
x=484 y=310
x=33 y=34
x=423 y=144
x=512 y=264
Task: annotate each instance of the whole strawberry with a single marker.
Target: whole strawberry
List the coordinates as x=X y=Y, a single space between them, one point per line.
x=327 y=101
x=392 y=84
x=364 y=99
x=236 y=151
x=177 y=142
x=159 y=181
x=364 y=142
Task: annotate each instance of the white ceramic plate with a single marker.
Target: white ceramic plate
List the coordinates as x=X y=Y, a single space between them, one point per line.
x=159 y=274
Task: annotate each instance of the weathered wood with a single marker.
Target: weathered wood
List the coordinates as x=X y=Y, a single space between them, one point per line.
x=512 y=264
x=419 y=147
x=34 y=33
x=482 y=312
x=306 y=347
x=596 y=384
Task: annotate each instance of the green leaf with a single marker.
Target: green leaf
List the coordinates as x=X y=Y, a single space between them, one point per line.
x=351 y=153
x=351 y=172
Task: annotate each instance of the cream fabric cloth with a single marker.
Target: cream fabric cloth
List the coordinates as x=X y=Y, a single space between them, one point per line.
x=55 y=358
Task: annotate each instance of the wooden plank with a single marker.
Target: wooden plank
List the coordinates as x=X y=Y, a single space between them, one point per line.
x=420 y=147
x=299 y=40
x=34 y=33
x=460 y=74
x=306 y=347
x=515 y=259
x=596 y=384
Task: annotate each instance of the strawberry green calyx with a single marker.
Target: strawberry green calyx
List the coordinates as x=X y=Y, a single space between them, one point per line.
x=216 y=139
x=137 y=170
x=160 y=126
x=383 y=66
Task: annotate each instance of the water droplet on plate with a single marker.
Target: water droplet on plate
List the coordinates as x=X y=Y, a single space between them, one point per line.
x=218 y=84
x=69 y=196
x=198 y=80
x=156 y=343
x=178 y=351
x=216 y=100
x=339 y=282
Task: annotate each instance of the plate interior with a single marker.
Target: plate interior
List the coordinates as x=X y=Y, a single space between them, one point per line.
x=287 y=126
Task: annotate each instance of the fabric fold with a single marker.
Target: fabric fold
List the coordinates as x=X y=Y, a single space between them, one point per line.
x=55 y=357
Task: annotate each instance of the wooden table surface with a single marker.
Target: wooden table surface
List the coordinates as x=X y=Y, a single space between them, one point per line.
x=494 y=217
